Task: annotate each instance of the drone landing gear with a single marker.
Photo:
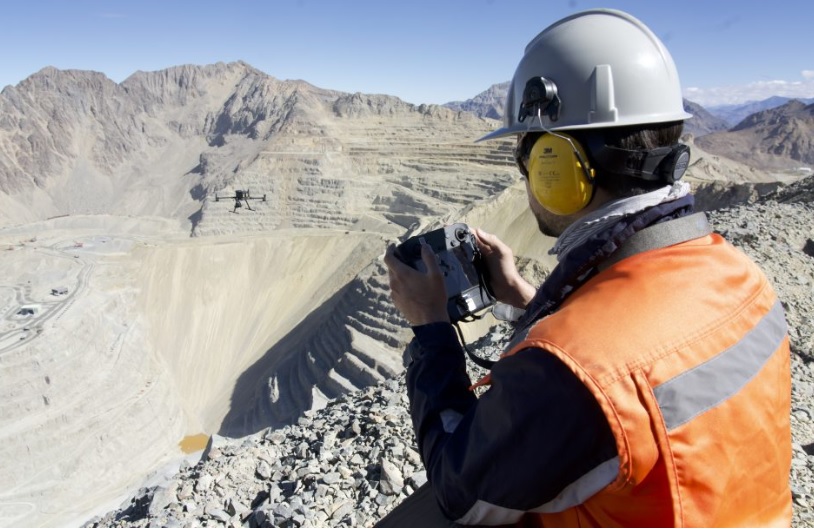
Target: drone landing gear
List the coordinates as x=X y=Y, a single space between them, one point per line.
x=238 y=205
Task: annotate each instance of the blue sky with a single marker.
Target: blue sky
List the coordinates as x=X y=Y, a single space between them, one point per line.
x=423 y=51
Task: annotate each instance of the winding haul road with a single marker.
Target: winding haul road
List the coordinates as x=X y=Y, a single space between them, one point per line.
x=28 y=327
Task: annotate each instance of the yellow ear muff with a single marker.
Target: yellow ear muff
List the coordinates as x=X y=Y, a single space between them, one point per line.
x=560 y=176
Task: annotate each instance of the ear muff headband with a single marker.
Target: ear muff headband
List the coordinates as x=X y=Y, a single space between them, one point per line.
x=560 y=177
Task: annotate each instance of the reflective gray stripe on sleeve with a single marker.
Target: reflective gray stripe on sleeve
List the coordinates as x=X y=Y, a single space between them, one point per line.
x=488 y=514
x=579 y=491
x=701 y=388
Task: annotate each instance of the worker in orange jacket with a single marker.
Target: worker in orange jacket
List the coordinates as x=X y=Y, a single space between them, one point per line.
x=647 y=383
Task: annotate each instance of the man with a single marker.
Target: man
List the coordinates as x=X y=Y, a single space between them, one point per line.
x=648 y=382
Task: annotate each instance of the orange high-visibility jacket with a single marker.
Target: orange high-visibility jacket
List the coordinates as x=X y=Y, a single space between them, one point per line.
x=686 y=350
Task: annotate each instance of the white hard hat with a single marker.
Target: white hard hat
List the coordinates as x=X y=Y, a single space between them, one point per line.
x=594 y=69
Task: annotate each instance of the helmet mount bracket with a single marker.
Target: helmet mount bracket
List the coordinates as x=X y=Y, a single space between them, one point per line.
x=539 y=96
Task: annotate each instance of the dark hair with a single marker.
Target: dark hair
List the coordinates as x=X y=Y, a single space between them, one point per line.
x=635 y=137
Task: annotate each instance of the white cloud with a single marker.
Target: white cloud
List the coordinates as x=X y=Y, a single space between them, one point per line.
x=756 y=91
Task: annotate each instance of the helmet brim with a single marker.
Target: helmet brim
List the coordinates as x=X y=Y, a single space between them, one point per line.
x=520 y=128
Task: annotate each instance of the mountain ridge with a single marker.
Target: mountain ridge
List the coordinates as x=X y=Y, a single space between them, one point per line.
x=772 y=138
x=735 y=112
x=194 y=131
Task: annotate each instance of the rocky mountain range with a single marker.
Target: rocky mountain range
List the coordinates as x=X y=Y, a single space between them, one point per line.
x=163 y=143
x=732 y=114
x=488 y=104
x=264 y=316
x=769 y=139
x=78 y=143
x=702 y=122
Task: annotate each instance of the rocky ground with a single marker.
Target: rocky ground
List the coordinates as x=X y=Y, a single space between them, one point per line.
x=350 y=463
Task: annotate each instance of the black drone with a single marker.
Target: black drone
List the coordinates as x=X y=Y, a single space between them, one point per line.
x=240 y=197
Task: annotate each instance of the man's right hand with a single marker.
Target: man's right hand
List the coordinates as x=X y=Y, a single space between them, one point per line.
x=504 y=279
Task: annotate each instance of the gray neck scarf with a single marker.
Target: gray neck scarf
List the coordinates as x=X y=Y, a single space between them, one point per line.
x=594 y=222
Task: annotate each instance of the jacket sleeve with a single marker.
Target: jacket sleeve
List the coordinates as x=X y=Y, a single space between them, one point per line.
x=535 y=432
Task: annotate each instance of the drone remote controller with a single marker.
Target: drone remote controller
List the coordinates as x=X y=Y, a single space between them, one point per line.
x=460 y=260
